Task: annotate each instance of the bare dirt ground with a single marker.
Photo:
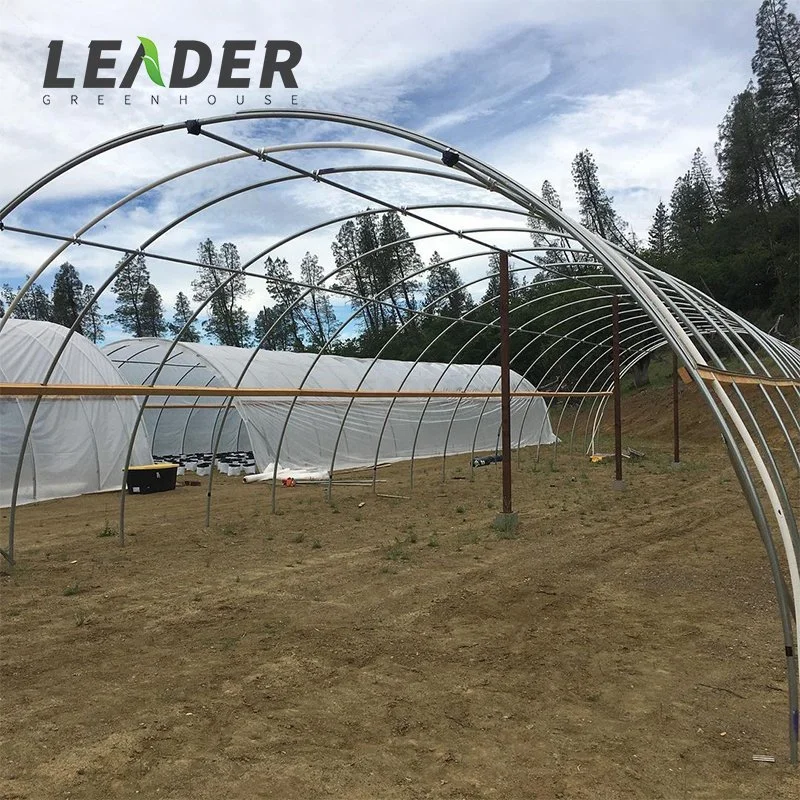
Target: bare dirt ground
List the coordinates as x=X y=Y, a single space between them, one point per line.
x=623 y=645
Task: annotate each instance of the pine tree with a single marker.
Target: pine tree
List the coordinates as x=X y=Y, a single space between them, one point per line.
x=706 y=184
x=67 y=294
x=182 y=315
x=152 y=313
x=350 y=275
x=35 y=304
x=275 y=330
x=218 y=280
x=741 y=154
x=492 y=293
x=92 y=322
x=445 y=293
x=776 y=65
x=318 y=314
x=402 y=261
x=130 y=286
x=690 y=212
x=286 y=292
x=657 y=238
x=596 y=209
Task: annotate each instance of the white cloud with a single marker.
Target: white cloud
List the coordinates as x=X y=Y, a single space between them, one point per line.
x=523 y=86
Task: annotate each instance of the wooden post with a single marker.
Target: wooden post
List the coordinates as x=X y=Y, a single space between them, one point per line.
x=676 y=422
x=615 y=359
x=506 y=521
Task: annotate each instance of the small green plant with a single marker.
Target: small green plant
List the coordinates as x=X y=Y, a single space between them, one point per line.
x=397 y=551
x=80 y=619
x=411 y=538
x=228 y=530
x=298 y=538
x=107 y=531
x=467 y=537
x=460 y=510
x=433 y=542
x=316 y=544
x=72 y=589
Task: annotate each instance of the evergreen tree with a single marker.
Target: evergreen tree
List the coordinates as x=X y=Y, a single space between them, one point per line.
x=492 y=293
x=182 y=315
x=445 y=294
x=217 y=279
x=550 y=195
x=319 y=317
x=776 y=65
x=35 y=304
x=286 y=293
x=705 y=183
x=659 y=230
x=92 y=322
x=596 y=209
x=152 y=313
x=351 y=276
x=67 y=294
x=690 y=212
x=402 y=261
x=747 y=178
x=130 y=286
x=275 y=330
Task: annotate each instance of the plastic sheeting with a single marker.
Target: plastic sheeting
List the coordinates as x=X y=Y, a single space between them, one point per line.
x=185 y=424
x=77 y=444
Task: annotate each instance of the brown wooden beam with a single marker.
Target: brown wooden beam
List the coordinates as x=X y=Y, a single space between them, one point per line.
x=126 y=390
x=740 y=378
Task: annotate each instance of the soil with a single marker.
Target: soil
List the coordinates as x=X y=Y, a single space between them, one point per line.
x=624 y=644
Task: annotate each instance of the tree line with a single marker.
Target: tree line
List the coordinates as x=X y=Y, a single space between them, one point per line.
x=733 y=234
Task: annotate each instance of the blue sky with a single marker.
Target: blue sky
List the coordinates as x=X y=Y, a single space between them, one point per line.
x=524 y=86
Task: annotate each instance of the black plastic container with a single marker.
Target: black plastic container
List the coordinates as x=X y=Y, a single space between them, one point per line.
x=152 y=478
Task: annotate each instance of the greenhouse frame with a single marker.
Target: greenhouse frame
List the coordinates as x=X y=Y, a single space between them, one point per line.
x=608 y=318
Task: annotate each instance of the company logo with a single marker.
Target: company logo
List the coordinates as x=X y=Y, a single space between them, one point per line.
x=280 y=58
x=193 y=63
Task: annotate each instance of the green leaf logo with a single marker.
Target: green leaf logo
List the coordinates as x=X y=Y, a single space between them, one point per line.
x=150 y=59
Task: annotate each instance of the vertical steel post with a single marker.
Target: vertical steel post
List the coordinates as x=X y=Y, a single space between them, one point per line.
x=505 y=383
x=615 y=359
x=676 y=422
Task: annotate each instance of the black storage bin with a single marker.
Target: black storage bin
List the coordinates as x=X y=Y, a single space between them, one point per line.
x=152 y=478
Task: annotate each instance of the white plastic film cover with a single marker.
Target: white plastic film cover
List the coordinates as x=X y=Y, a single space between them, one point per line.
x=77 y=444
x=374 y=429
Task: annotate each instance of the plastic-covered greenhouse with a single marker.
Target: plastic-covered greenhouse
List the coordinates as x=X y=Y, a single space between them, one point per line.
x=327 y=432
x=77 y=444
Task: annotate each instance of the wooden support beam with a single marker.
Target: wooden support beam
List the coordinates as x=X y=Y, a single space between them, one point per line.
x=125 y=390
x=739 y=378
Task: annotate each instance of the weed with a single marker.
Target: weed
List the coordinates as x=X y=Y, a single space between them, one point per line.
x=411 y=538
x=80 y=619
x=397 y=552
x=467 y=537
x=296 y=539
x=433 y=542
x=460 y=510
x=316 y=544
x=107 y=531
x=228 y=530
x=72 y=589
